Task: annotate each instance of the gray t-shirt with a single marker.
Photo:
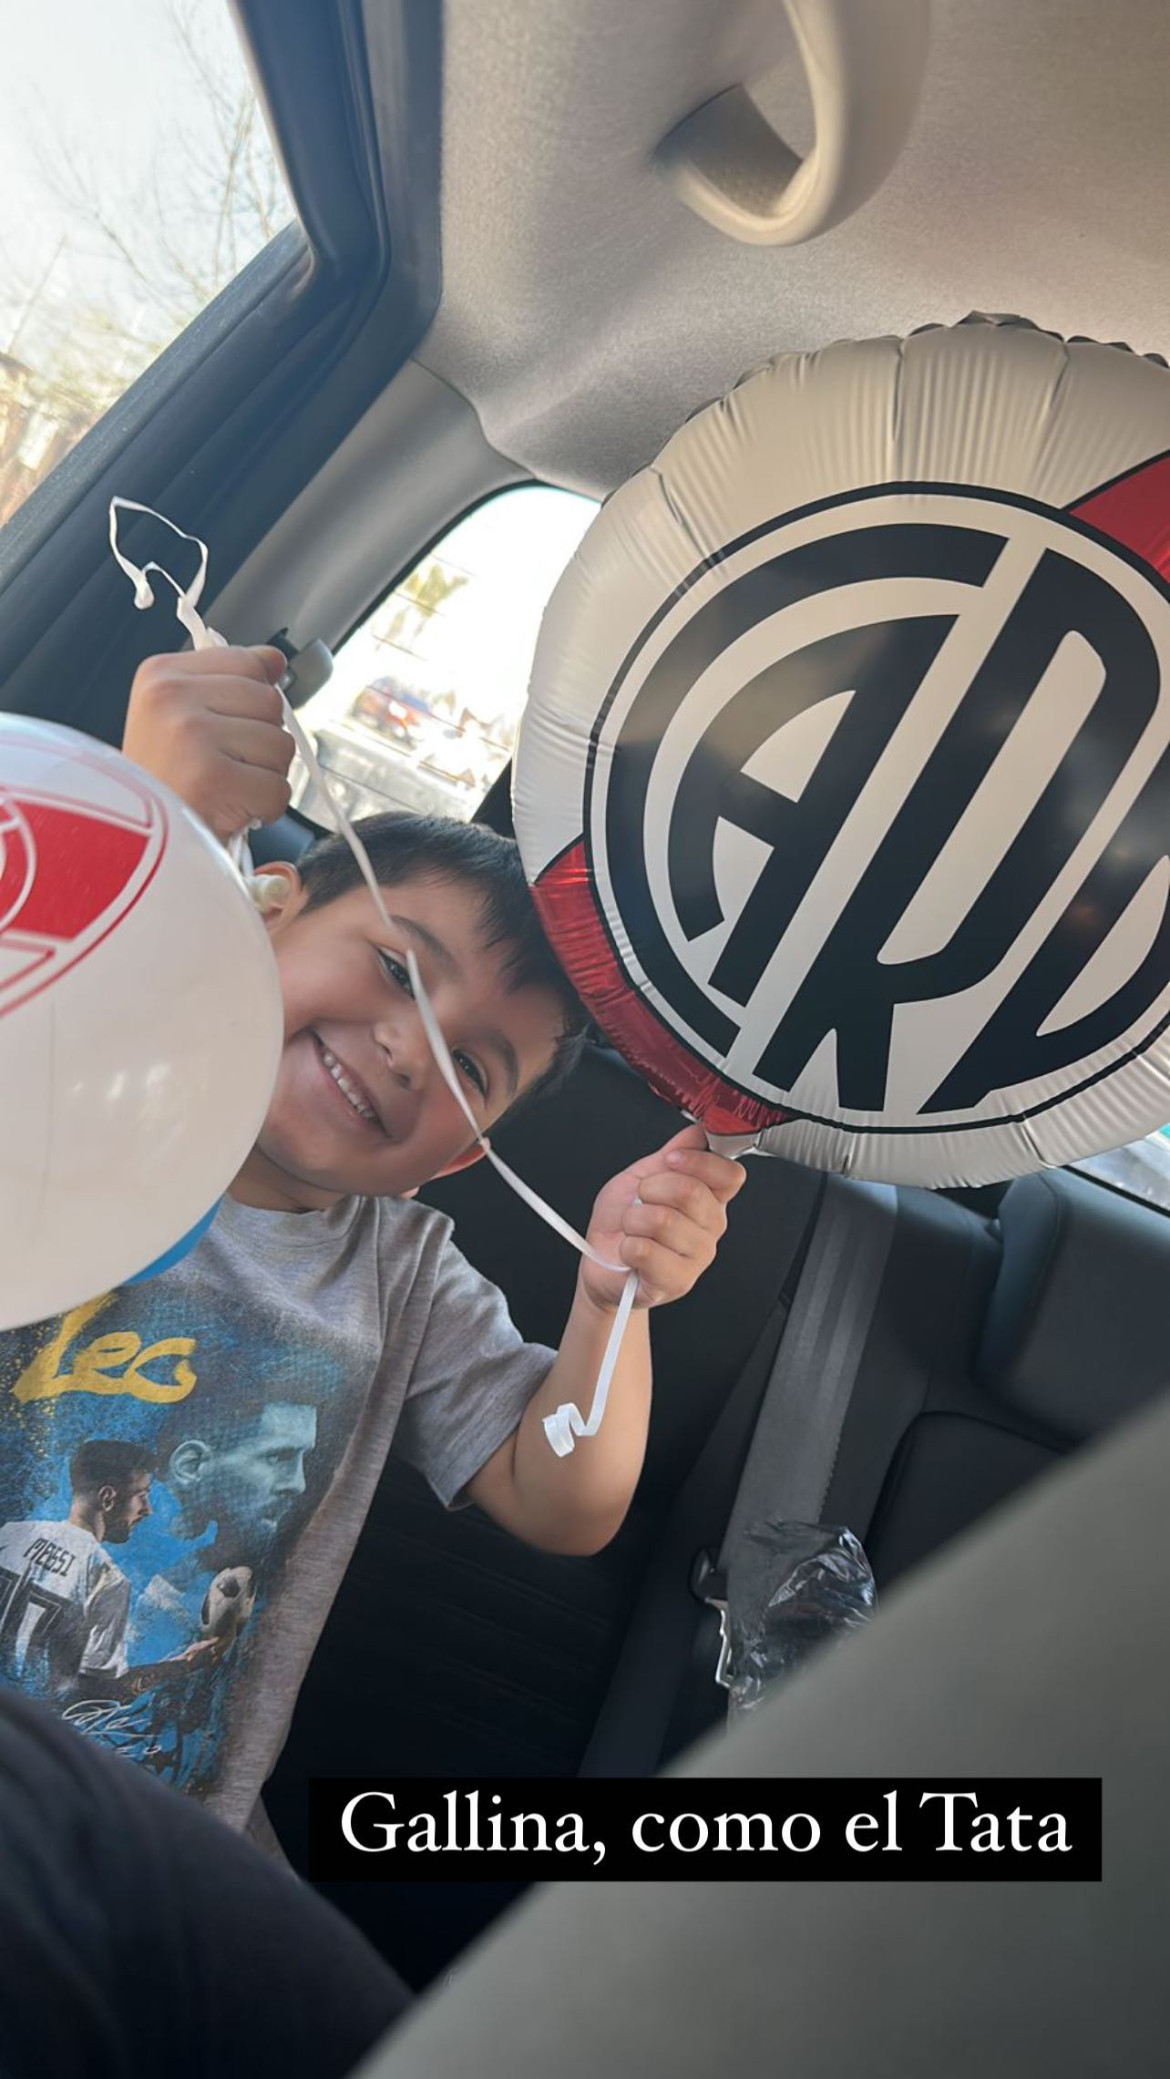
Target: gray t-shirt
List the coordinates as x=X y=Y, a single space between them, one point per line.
x=260 y=1382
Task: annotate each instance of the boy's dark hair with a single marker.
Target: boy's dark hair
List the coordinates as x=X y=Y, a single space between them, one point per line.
x=404 y=847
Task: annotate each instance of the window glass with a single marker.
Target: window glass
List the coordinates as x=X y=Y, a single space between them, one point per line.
x=426 y=696
x=1142 y=1169
x=136 y=179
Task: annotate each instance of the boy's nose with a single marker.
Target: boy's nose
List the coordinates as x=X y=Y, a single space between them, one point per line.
x=404 y=1045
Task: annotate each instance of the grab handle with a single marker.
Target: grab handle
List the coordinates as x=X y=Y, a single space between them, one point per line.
x=864 y=61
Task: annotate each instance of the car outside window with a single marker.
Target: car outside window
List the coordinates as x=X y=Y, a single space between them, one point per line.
x=426 y=696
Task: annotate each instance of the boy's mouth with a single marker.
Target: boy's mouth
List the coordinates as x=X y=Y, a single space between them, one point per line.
x=349 y=1088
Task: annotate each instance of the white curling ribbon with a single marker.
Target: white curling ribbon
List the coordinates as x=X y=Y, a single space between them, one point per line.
x=563 y=1427
x=567 y=1423
x=188 y=596
x=205 y=638
x=186 y=611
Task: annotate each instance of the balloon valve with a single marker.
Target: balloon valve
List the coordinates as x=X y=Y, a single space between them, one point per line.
x=734 y=1145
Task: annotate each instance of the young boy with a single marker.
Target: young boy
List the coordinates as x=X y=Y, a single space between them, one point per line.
x=263 y=1378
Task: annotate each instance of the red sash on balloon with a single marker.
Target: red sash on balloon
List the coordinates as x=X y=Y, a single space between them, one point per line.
x=70 y=871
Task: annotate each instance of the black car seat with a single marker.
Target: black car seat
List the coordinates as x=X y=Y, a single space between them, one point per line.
x=991 y=1351
x=1072 y=1342
x=285 y=839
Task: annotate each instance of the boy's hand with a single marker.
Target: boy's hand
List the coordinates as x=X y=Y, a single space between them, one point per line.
x=671 y=1236
x=209 y=724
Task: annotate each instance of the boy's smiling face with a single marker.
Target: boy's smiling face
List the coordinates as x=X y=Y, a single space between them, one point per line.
x=359 y=1104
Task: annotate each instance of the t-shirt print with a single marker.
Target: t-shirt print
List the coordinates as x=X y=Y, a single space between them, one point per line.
x=186 y=1465
x=159 y=1463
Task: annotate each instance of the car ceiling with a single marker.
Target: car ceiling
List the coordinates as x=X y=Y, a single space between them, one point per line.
x=585 y=312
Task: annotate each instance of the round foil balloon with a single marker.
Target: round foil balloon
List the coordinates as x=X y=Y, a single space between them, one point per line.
x=140 y=1021
x=844 y=783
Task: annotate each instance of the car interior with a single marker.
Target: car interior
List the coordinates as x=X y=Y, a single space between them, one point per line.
x=493 y=282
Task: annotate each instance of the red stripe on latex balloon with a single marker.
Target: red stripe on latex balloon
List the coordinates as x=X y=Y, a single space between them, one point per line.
x=568 y=911
x=17 y=863
x=1134 y=511
x=83 y=863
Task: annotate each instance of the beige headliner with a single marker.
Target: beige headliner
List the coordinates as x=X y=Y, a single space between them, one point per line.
x=585 y=312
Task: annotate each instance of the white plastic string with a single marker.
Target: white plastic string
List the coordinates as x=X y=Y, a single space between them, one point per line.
x=186 y=604
x=188 y=597
x=567 y=1423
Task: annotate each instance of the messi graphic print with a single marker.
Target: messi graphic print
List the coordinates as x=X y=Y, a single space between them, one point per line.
x=159 y=1458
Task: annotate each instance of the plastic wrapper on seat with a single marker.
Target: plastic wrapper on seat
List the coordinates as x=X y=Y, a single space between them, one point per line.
x=790 y=1588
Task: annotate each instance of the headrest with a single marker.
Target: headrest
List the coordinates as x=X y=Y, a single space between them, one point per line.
x=1076 y=1331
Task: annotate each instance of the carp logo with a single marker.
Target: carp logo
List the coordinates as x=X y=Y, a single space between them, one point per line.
x=878 y=811
x=70 y=868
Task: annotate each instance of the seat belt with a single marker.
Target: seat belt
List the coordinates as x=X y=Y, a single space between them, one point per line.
x=801 y=1390
x=631 y=1726
x=797 y=1436
x=790 y=1461
x=789 y=1464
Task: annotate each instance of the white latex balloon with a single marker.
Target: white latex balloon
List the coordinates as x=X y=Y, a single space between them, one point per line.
x=140 y=1021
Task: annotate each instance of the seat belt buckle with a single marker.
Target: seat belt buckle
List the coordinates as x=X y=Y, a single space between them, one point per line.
x=709 y=1582
x=709 y=1585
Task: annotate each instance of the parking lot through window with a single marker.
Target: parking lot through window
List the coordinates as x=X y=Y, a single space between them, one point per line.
x=426 y=696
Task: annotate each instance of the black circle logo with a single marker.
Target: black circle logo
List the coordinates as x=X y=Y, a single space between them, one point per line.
x=878 y=811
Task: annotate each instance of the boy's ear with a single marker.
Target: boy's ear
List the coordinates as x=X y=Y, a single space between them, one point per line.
x=469 y=1156
x=278 y=893
x=473 y=1154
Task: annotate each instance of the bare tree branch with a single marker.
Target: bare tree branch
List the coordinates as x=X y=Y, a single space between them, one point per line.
x=149 y=252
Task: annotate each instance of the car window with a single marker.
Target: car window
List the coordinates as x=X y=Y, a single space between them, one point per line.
x=1142 y=1169
x=136 y=180
x=426 y=695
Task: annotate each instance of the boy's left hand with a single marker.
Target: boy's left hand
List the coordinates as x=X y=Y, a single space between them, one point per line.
x=663 y=1217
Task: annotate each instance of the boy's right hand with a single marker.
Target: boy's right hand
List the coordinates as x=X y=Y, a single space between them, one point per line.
x=209 y=724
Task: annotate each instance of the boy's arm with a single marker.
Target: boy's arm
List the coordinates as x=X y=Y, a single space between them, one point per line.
x=663 y=1218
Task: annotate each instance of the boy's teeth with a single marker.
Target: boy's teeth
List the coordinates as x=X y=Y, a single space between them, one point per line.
x=345 y=1086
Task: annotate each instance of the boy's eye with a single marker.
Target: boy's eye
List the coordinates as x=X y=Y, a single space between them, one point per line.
x=471 y=1070
x=395 y=970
